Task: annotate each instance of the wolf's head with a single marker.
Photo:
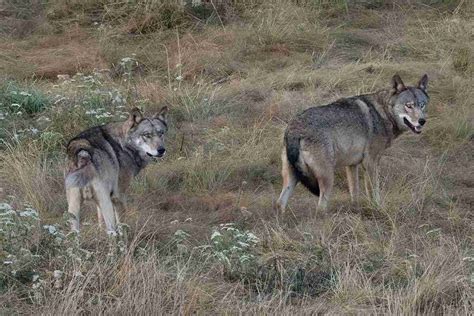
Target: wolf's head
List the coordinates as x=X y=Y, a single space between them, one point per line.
x=146 y=134
x=409 y=104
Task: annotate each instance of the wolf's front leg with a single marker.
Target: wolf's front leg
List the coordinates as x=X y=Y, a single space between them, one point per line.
x=352 y=173
x=100 y=218
x=120 y=206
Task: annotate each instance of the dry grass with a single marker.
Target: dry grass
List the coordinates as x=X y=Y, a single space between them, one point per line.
x=46 y=56
x=232 y=84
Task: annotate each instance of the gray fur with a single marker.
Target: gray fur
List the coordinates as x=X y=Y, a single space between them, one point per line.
x=347 y=133
x=104 y=159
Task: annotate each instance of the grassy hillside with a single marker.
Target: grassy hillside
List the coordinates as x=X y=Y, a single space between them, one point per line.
x=203 y=235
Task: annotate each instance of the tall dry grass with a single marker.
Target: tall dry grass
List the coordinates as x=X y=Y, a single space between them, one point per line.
x=232 y=84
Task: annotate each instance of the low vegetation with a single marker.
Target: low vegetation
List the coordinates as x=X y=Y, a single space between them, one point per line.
x=201 y=233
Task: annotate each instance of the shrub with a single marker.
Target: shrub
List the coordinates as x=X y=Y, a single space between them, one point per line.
x=19 y=100
x=234 y=249
x=18 y=258
x=30 y=252
x=462 y=60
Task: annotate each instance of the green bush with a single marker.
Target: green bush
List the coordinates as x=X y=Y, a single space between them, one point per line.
x=234 y=249
x=30 y=252
x=20 y=100
x=18 y=258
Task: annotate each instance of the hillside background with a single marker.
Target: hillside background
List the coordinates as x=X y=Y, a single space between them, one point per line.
x=203 y=235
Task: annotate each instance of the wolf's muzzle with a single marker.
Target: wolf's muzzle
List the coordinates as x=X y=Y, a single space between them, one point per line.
x=160 y=153
x=415 y=129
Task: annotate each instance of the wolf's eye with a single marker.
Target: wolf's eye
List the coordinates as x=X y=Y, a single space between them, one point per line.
x=147 y=135
x=160 y=133
x=409 y=105
x=422 y=105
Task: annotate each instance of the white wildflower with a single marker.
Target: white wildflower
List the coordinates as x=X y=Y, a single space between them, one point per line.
x=126 y=60
x=51 y=229
x=78 y=274
x=243 y=244
x=57 y=274
x=215 y=235
x=29 y=213
x=5 y=206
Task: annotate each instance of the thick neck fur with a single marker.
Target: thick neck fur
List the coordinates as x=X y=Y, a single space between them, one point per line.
x=382 y=100
x=116 y=131
x=135 y=156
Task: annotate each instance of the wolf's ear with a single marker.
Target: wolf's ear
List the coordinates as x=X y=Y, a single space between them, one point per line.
x=134 y=118
x=397 y=84
x=162 y=114
x=423 y=83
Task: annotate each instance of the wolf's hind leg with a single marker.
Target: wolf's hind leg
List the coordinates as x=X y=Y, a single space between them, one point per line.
x=104 y=202
x=289 y=183
x=323 y=170
x=353 y=181
x=74 y=199
x=325 y=181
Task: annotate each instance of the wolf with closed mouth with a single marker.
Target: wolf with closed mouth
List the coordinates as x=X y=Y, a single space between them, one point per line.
x=350 y=132
x=103 y=160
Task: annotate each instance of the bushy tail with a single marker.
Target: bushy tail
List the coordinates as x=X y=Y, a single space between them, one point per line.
x=293 y=144
x=81 y=171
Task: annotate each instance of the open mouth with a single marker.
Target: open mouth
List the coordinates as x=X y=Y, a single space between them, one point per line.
x=155 y=156
x=415 y=129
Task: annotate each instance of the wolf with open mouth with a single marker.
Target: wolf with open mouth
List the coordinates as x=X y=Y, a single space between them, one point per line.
x=349 y=132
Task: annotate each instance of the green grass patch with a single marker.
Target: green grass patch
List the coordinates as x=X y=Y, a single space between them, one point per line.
x=18 y=99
